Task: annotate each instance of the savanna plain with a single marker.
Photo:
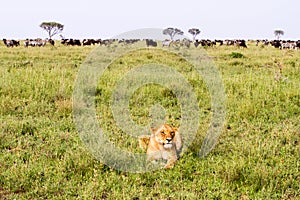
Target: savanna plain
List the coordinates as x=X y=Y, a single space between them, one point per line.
x=257 y=156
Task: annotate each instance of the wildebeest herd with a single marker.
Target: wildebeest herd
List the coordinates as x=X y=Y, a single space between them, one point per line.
x=29 y=42
x=38 y=42
x=11 y=43
x=280 y=44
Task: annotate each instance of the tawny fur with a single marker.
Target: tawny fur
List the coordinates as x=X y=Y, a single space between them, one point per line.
x=165 y=143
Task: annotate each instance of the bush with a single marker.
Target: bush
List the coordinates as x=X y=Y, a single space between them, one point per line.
x=236 y=55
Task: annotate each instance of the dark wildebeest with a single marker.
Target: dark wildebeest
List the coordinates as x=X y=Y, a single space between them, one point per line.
x=86 y=42
x=219 y=41
x=240 y=43
x=71 y=42
x=276 y=43
x=11 y=43
x=196 y=43
x=204 y=43
x=298 y=44
x=150 y=42
x=51 y=42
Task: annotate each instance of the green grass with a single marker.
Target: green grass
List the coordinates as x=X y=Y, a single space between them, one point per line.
x=42 y=156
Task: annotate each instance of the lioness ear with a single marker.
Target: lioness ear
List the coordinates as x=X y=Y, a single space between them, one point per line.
x=175 y=129
x=153 y=130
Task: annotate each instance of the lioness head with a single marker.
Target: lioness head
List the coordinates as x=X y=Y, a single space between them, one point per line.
x=164 y=135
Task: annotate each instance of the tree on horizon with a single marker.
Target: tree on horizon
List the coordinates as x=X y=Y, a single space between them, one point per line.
x=172 y=32
x=52 y=28
x=278 y=33
x=194 y=32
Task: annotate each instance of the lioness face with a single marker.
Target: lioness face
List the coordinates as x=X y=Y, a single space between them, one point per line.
x=165 y=135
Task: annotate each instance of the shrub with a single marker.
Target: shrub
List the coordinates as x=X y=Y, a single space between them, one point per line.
x=236 y=55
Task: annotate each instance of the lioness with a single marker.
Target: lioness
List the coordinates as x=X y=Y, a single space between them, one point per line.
x=165 y=143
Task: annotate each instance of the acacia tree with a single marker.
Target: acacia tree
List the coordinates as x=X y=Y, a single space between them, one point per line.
x=278 y=33
x=52 y=28
x=194 y=32
x=172 y=32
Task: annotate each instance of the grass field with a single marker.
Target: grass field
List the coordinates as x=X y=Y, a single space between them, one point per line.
x=257 y=156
